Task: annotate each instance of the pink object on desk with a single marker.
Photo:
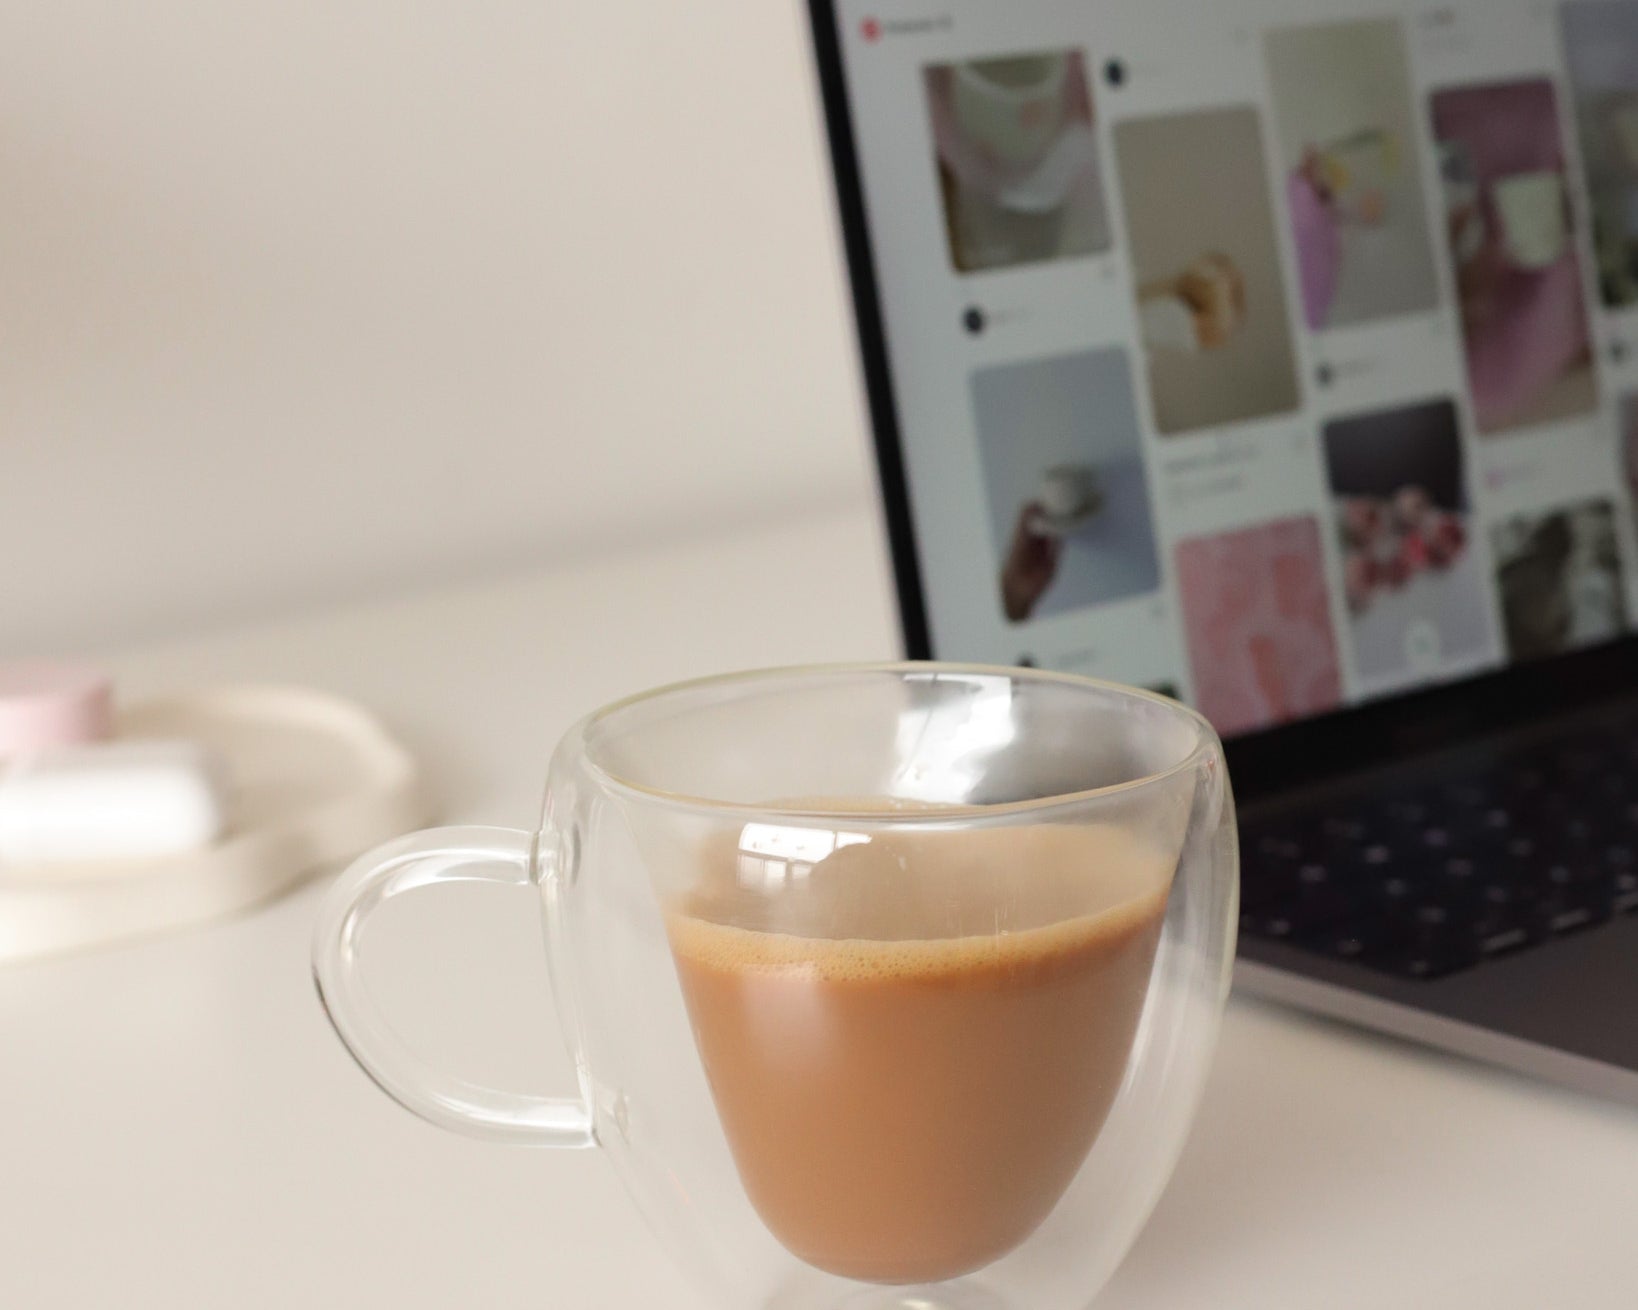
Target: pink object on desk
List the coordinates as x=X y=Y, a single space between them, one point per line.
x=45 y=704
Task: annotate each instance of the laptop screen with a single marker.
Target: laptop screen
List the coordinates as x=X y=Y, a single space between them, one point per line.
x=1277 y=354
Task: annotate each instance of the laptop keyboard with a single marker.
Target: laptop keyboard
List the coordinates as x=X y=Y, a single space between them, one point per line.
x=1472 y=861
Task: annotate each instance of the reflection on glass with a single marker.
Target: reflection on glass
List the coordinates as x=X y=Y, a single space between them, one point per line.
x=947 y=746
x=773 y=853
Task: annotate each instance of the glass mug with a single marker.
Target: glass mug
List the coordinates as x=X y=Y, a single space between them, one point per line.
x=890 y=987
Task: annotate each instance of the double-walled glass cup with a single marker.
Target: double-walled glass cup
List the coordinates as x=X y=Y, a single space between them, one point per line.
x=889 y=986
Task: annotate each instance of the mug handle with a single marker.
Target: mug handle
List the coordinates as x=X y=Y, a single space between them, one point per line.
x=438 y=855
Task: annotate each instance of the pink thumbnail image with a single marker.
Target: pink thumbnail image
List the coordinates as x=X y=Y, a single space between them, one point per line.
x=1258 y=625
x=1518 y=276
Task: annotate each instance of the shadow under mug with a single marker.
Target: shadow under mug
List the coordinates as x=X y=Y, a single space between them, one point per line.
x=888 y=986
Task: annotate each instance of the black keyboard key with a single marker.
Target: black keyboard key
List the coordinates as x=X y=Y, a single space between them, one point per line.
x=1356 y=940
x=1580 y=913
x=1269 y=866
x=1276 y=926
x=1432 y=926
x=1503 y=940
x=1377 y=856
x=1503 y=921
x=1576 y=761
x=1345 y=830
x=1427 y=941
x=1569 y=901
x=1525 y=782
x=1321 y=899
x=1519 y=861
x=1276 y=847
x=1409 y=812
x=1465 y=795
x=1459 y=875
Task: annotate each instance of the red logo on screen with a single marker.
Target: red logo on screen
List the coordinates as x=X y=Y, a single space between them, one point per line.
x=871 y=29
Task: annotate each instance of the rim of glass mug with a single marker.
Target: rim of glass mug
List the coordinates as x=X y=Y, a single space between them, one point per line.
x=581 y=733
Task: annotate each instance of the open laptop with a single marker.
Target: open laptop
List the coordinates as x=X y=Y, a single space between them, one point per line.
x=1284 y=355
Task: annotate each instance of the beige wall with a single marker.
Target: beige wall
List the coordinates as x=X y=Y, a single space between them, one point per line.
x=299 y=299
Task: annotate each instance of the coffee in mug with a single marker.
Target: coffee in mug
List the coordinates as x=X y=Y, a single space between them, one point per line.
x=907 y=1091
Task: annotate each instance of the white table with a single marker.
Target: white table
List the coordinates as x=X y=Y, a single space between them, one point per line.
x=179 y=1128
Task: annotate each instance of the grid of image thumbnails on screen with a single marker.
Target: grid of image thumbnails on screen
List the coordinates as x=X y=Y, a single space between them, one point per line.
x=1239 y=472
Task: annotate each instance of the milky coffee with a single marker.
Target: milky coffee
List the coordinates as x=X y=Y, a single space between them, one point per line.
x=913 y=1044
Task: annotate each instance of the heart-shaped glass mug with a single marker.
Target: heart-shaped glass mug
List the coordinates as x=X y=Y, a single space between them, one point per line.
x=889 y=986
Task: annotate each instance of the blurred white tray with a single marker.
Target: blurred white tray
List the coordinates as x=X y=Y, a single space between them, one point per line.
x=315 y=780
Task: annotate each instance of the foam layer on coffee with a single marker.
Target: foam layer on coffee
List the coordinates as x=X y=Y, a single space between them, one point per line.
x=720 y=946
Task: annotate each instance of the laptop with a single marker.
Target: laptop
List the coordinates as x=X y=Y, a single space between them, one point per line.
x=1283 y=356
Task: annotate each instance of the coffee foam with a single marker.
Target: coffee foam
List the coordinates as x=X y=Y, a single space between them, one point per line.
x=744 y=950
x=926 y=904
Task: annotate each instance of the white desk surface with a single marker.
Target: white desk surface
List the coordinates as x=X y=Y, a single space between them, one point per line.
x=179 y=1128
